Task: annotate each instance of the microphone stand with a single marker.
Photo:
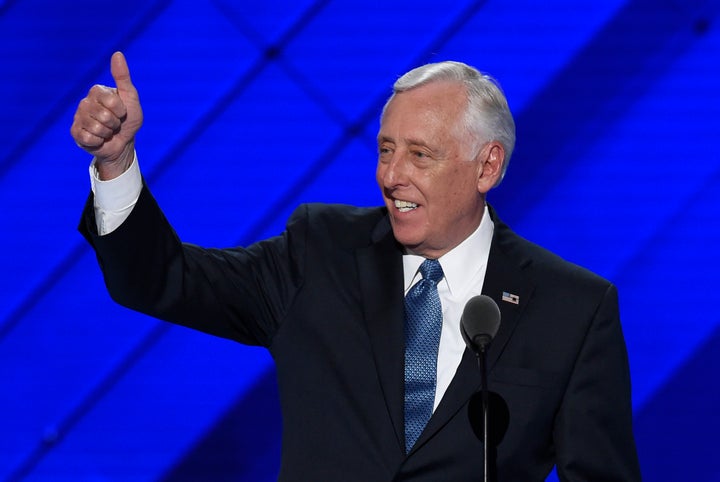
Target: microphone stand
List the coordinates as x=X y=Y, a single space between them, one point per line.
x=481 y=355
x=479 y=324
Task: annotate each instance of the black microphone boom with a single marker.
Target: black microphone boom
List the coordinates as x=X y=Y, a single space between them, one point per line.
x=480 y=322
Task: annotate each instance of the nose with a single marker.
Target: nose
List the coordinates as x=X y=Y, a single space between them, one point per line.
x=393 y=171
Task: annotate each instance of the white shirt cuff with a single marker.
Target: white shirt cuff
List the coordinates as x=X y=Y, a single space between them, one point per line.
x=115 y=199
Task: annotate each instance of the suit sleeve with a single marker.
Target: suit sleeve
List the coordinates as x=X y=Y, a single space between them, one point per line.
x=240 y=293
x=593 y=429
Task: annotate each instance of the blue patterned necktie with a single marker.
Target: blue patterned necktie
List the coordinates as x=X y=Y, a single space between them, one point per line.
x=423 y=323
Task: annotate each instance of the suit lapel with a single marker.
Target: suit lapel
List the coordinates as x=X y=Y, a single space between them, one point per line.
x=380 y=272
x=503 y=275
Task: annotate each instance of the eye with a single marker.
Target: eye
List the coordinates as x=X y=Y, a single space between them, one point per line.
x=422 y=155
x=385 y=150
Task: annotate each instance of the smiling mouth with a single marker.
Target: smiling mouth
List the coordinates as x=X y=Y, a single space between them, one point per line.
x=405 y=206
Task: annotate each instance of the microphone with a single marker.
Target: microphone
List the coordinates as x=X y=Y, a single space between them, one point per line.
x=479 y=324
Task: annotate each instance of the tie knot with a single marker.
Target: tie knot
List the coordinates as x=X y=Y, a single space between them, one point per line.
x=431 y=270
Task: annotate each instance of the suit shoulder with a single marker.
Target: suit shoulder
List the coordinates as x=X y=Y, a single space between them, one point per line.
x=548 y=266
x=349 y=225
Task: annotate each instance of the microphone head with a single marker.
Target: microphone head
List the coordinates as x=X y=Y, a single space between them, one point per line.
x=480 y=322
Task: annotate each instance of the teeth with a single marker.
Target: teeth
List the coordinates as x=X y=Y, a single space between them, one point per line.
x=404 y=206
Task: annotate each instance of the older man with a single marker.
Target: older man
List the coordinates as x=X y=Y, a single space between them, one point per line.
x=360 y=307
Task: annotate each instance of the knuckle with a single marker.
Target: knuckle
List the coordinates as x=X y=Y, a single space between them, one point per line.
x=83 y=138
x=102 y=116
x=97 y=91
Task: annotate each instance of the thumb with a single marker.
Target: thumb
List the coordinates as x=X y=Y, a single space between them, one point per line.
x=121 y=73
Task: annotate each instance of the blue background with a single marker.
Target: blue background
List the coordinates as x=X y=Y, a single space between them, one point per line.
x=253 y=107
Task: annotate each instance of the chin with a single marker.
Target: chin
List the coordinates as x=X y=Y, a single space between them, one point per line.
x=406 y=239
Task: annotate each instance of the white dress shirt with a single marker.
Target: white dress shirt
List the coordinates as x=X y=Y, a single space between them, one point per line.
x=115 y=199
x=464 y=267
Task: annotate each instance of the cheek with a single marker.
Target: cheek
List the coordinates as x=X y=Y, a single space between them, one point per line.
x=461 y=191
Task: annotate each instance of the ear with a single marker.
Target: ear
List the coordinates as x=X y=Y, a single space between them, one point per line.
x=492 y=159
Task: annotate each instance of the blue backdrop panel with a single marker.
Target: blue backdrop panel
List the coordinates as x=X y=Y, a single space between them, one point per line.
x=254 y=107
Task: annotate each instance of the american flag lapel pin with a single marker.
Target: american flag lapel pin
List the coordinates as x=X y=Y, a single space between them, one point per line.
x=511 y=298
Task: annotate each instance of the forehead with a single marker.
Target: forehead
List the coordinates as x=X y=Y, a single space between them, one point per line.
x=436 y=107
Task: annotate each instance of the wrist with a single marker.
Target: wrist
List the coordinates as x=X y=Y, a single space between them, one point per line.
x=108 y=169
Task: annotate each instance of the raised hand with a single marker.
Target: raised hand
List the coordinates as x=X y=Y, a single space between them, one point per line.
x=107 y=120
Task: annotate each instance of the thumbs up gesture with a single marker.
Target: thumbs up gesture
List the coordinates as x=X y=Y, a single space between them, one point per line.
x=107 y=119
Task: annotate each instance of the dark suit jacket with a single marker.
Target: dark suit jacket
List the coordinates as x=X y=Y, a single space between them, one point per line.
x=326 y=298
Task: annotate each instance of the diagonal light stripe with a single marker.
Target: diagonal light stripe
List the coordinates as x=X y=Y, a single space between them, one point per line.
x=79 y=248
x=293 y=191
x=601 y=84
x=86 y=403
x=146 y=344
x=51 y=117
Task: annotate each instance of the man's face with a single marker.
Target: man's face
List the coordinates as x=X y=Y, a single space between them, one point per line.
x=432 y=180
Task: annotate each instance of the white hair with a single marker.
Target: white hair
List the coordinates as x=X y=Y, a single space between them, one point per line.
x=487 y=117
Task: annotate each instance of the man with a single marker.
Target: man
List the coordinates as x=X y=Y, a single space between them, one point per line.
x=328 y=299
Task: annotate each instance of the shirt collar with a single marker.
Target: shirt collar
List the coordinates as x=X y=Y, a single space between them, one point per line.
x=455 y=262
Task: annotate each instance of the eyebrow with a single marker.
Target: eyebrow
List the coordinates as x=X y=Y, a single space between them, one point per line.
x=409 y=141
x=418 y=142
